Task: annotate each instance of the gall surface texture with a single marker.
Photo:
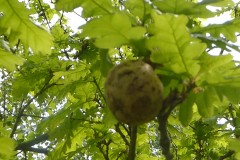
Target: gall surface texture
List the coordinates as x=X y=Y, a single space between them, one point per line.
x=133 y=92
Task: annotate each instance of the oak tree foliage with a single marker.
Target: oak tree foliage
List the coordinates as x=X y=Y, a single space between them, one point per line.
x=52 y=78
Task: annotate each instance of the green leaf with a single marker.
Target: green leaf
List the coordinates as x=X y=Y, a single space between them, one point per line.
x=7 y=148
x=183 y=7
x=105 y=63
x=221 y=73
x=205 y=102
x=90 y=7
x=186 y=110
x=213 y=43
x=227 y=29
x=9 y=61
x=230 y=92
x=210 y=63
x=15 y=23
x=110 y=41
x=55 y=120
x=218 y=3
x=172 y=46
x=112 y=31
x=7 y=145
x=136 y=7
x=218 y=71
x=68 y=5
x=234 y=145
x=109 y=119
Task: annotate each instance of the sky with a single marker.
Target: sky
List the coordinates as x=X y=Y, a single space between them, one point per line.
x=75 y=20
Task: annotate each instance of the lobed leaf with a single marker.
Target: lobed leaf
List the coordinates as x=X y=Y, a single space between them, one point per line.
x=90 y=7
x=112 y=30
x=15 y=23
x=9 y=61
x=227 y=29
x=171 y=44
x=183 y=7
x=230 y=92
x=210 y=63
x=218 y=3
x=220 y=73
x=138 y=8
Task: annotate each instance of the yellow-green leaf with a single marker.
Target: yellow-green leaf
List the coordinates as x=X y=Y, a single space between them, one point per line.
x=112 y=31
x=205 y=102
x=90 y=7
x=9 y=61
x=7 y=148
x=186 y=110
x=171 y=44
x=16 y=23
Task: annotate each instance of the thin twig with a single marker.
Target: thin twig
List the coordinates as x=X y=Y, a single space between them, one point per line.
x=22 y=109
x=4 y=97
x=125 y=128
x=44 y=14
x=117 y=128
x=98 y=88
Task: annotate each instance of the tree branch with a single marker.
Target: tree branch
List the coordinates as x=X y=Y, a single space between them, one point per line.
x=101 y=148
x=44 y=14
x=117 y=128
x=98 y=88
x=37 y=150
x=22 y=109
x=174 y=99
x=227 y=155
x=27 y=146
x=133 y=139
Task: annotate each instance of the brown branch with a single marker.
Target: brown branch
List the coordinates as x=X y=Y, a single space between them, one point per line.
x=133 y=139
x=164 y=140
x=169 y=104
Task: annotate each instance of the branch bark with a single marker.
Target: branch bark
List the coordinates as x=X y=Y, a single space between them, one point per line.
x=27 y=146
x=227 y=155
x=133 y=139
x=169 y=104
x=117 y=128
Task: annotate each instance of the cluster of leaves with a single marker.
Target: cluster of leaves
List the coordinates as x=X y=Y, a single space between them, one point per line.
x=52 y=97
